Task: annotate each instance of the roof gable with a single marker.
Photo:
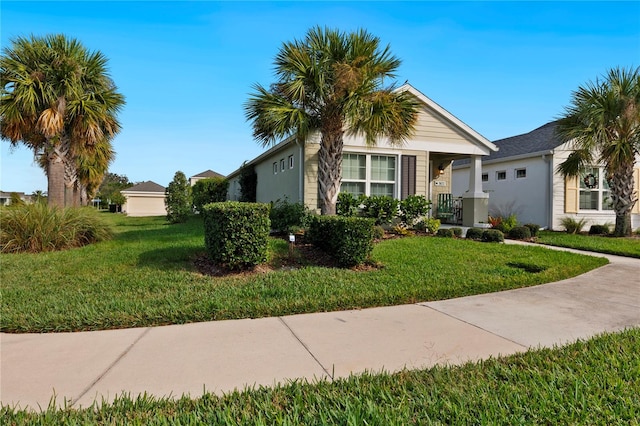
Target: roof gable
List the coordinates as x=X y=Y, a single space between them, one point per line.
x=208 y=174
x=147 y=186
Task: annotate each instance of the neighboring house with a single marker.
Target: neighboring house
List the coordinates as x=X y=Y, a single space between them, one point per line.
x=522 y=178
x=204 y=175
x=144 y=199
x=421 y=166
x=5 y=197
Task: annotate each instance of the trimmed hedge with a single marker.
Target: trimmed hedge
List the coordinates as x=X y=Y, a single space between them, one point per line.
x=533 y=228
x=349 y=240
x=445 y=232
x=286 y=216
x=520 y=233
x=474 y=233
x=236 y=235
x=492 y=236
x=599 y=230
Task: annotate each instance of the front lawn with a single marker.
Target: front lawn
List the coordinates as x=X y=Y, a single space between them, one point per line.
x=146 y=276
x=596 y=382
x=603 y=244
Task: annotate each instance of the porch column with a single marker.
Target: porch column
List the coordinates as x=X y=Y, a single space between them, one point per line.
x=475 y=202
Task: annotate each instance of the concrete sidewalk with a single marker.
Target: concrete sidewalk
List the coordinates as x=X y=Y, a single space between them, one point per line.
x=225 y=355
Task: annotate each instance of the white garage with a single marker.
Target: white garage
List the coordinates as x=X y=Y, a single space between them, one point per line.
x=145 y=199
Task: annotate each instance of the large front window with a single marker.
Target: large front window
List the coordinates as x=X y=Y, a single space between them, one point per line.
x=594 y=190
x=364 y=174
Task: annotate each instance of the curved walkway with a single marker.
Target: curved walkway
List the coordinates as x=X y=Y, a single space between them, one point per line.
x=224 y=355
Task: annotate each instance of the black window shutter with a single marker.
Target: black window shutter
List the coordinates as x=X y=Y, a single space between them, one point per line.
x=408 y=179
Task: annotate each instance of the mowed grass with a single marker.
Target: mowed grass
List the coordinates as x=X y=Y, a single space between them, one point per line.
x=594 y=382
x=145 y=276
x=629 y=247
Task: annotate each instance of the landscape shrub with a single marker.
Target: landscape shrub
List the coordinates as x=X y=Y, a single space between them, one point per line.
x=349 y=240
x=599 y=230
x=378 y=232
x=401 y=229
x=248 y=179
x=520 y=233
x=347 y=204
x=36 y=228
x=178 y=199
x=210 y=190
x=533 y=229
x=430 y=225
x=445 y=232
x=413 y=208
x=492 y=236
x=474 y=233
x=289 y=217
x=457 y=231
x=382 y=209
x=236 y=234
x=573 y=226
x=504 y=224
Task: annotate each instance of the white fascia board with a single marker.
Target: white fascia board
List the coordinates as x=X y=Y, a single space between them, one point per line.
x=507 y=159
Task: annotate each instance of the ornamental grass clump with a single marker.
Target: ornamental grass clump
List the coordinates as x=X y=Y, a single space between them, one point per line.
x=36 y=228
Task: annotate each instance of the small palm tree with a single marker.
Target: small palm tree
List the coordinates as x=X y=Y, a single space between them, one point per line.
x=57 y=99
x=332 y=83
x=603 y=125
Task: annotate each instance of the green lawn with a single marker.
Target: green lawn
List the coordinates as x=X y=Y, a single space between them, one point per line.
x=145 y=276
x=621 y=246
x=596 y=382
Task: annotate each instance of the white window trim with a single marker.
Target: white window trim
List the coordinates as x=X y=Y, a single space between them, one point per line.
x=600 y=190
x=498 y=174
x=515 y=173
x=368 y=181
x=291 y=162
x=275 y=168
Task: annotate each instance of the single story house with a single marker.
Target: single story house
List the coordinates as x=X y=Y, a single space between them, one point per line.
x=5 y=197
x=144 y=199
x=522 y=178
x=207 y=174
x=422 y=166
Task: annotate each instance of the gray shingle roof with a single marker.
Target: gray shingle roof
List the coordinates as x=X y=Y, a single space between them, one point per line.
x=543 y=138
x=208 y=174
x=147 y=186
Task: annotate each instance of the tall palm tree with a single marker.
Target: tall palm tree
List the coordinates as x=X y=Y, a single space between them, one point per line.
x=603 y=126
x=332 y=83
x=57 y=99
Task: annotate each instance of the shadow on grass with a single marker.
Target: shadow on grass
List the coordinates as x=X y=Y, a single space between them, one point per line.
x=175 y=258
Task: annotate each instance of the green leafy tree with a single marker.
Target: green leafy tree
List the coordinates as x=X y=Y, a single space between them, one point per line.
x=178 y=199
x=602 y=123
x=332 y=82
x=57 y=99
x=248 y=183
x=110 y=187
x=210 y=190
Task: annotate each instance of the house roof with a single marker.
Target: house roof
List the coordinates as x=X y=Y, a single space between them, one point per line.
x=208 y=174
x=542 y=139
x=147 y=186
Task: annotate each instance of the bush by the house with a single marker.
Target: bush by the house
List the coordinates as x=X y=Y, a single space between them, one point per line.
x=413 y=208
x=37 y=228
x=474 y=233
x=178 y=199
x=210 y=190
x=445 y=232
x=457 y=231
x=248 y=183
x=349 y=240
x=599 y=230
x=236 y=234
x=503 y=224
x=378 y=232
x=430 y=225
x=382 y=209
x=286 y=216
x=573 y=226
x=347 y=204
x=520 y=233
x=533 y=229
x=492 y=236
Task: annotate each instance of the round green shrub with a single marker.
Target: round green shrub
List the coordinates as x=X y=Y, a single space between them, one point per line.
x=599 y=230
x=474 y=233
x=520 y=233
x=492 y=236
x=457 y=232
x=378 y=232
x=533 y=228
x=445 y=232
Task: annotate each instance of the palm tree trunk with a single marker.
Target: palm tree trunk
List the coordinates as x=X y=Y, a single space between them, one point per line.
x=623 y=198
x=330 y=171
x=55 y=180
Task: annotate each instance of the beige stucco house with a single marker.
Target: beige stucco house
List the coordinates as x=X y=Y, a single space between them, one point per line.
x=522 y=178
x=144 y=199
x=207 y=174
x=422 y=166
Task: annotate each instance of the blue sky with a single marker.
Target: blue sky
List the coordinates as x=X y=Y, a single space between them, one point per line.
x=186 y=68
